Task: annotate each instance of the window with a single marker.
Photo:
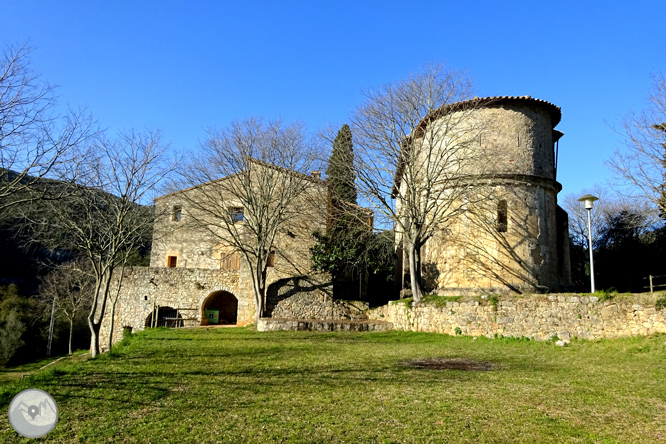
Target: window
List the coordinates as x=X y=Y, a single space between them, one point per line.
x=171 y=261
x=177 y=213
x=236 y=214
x=502 y=216
x=270 y=262
x=230 y=261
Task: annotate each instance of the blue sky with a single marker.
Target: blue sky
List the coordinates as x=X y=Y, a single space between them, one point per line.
x=182 y=66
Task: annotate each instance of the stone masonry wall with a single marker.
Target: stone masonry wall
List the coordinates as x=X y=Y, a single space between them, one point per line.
x=310 y=297
x=515 y=165
x=537 y=317
x=179 y=288
x=319 y=306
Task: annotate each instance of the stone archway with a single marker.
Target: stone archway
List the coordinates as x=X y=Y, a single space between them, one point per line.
x=166 y=317
x=226 y=306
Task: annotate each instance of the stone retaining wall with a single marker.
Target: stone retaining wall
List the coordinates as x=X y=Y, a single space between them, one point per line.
x=537 y=317
x=316 y=304
x=309 y=297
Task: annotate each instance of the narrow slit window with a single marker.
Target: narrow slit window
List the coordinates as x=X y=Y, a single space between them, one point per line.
x=172 y=261
x=270 y=262
x=177 y=213
x=502 y=216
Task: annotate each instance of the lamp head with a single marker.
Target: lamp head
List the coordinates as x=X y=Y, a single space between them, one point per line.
x=588 y=201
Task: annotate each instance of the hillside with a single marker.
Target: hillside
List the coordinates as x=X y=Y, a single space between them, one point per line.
x=25 y=253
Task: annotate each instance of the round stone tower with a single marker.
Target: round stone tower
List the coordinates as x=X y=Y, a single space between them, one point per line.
x=514 y=236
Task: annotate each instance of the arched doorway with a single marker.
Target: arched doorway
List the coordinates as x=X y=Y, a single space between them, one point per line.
x=220 y=307
x=166 y=317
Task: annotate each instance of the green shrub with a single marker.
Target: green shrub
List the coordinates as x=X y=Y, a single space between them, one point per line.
x=407 y=301
x=606 y=294
x=439 y=301
x=494 y=301
x=660 y=304
x=457 y=330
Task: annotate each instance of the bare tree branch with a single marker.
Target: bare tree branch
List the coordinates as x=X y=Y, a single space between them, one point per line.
x=641 y=166
x=36 y=143
x=250 y=187
x=608 y=206
x=105 y=221
x=70 y=287
x=410 y=149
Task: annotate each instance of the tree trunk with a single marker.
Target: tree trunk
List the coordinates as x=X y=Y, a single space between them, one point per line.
x=258 y=300
x=71 y=328
x=259 y=286
x=95 y=326
x=414 y=274
x=114 y=300
x=94 y=340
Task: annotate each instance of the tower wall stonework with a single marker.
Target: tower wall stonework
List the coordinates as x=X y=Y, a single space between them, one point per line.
x=515 y=139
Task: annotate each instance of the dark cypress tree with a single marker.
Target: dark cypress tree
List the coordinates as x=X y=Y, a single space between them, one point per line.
x=349 y=250
x=338 y=251
x=340 y=170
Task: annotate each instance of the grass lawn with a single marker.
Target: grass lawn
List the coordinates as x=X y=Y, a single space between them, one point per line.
x=238 y=385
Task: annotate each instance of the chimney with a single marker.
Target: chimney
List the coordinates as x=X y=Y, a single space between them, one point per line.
x=315 y=174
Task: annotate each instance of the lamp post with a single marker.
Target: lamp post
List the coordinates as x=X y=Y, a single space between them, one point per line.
x=588 y=203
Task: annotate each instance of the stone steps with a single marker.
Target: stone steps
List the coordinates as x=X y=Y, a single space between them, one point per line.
x=275 y=324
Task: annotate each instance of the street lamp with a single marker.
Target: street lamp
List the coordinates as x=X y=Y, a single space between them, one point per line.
x=588 y=203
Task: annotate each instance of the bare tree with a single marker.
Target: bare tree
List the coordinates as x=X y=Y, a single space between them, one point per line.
x=70 y=287
x=578 y=214
x=641 y=167
x=251 y=187
x=106 y=222
x=35 y=142
x=416 y=147
x=609 y=205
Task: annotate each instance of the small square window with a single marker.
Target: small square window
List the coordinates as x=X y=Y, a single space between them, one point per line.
x=172 y=261
x=236 y=214
x=177 y=213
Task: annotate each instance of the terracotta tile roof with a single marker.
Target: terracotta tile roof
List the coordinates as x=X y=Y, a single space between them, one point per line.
x=485 y=102
x=554 y=111
x=288 y=171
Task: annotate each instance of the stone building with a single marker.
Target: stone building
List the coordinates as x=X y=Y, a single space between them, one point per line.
x=196 y=277
x=512 y=236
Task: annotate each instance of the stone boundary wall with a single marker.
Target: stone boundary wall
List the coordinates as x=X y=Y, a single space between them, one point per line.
x=273 y=324
x=537 y=317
